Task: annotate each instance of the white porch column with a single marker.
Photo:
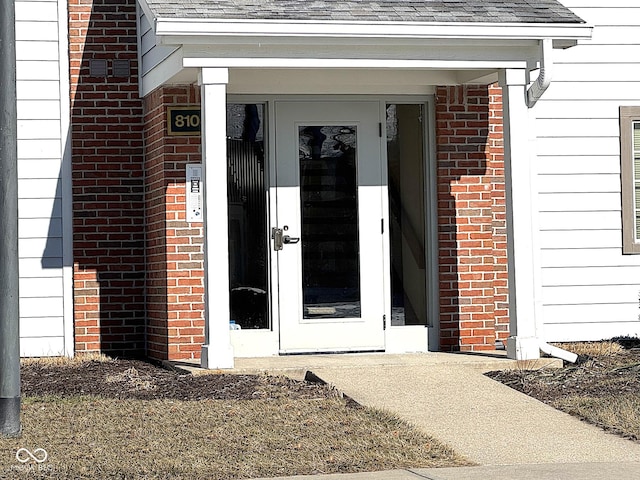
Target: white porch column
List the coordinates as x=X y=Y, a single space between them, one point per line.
x=217 y=351
x=522 y=218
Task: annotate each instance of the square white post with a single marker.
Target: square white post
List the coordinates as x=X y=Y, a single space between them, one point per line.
x=217 y=351
x=522 y=219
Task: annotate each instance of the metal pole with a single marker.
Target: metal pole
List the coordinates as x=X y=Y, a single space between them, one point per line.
x=9 y=317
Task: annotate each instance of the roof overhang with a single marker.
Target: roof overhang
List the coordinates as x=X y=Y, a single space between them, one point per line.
x=468 y=50
x=168 y=28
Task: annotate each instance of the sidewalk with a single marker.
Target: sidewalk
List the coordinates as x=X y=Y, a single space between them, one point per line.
x=511 y=435
x=574 y=471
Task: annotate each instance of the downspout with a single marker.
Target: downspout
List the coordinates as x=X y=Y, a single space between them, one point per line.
x=534 y=93
x=557 y=352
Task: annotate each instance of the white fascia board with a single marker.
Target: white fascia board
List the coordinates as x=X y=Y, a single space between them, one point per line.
x=346 y=63
x=296 y=29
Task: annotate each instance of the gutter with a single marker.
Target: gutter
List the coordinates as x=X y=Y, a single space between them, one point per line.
x=535 y=91
x=189 y=27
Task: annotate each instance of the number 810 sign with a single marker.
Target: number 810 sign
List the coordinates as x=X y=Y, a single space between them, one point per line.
x=183 y=120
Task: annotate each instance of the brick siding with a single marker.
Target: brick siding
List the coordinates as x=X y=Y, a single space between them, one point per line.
x=499 y=213
x=107 y=165
x=471 y=214
x=139 y=281
x=175 y=288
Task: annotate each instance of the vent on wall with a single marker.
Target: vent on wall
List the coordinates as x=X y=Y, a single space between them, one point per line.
x=97 y=67
x=121 y=68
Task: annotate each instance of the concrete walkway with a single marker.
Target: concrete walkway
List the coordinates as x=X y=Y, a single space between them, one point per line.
x=574 y=471
x=447 y=396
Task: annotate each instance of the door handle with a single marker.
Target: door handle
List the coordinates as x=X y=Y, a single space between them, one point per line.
x=279 y=239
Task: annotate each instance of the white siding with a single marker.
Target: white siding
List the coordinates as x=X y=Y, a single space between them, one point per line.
x=151 y=54
x=590 y=290
x=42 y=88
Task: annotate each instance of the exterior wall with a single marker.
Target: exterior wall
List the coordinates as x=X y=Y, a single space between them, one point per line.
x=495 y=169
x=108 y=180
x=151 y=54
x=471 y=215
x=175 y=270
x=43 y=179
x=589 y=288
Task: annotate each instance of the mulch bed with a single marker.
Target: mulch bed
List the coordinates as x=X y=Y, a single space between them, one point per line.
x=602 y=376
x=135 y=379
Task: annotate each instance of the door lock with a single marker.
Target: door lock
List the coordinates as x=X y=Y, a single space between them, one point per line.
x=279 y=239
x=276 y=236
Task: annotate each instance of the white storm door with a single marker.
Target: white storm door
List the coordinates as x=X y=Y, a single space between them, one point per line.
x=329 y=197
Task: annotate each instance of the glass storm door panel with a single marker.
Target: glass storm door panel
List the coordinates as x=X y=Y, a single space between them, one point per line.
x=329 y=221
x=328 y=233
x=248 y=245
x=407 y=213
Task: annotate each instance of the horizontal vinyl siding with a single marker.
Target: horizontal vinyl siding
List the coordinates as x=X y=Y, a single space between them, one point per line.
x=151 y=54
x=590 y=290
x=40 y=152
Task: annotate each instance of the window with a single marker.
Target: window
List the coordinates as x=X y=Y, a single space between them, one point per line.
x=630 y=158
x=248 y=246
x=407 y=213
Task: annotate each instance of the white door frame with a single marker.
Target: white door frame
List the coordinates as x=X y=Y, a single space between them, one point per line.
x=257 y=343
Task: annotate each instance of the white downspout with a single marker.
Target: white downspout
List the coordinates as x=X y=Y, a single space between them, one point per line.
x=558 y=352
x=534 y=93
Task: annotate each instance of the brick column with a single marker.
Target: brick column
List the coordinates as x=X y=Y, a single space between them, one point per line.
x=498 y=211
x=469 y=151
x=175 y=271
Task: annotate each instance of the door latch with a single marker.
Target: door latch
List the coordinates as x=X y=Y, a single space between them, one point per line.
x=278 y=240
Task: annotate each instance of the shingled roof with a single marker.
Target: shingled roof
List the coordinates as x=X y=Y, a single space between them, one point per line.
x=476 y=11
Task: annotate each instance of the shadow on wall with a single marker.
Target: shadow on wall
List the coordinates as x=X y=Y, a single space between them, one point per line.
x=470 y=215
x=107 y=178
x=56 y=257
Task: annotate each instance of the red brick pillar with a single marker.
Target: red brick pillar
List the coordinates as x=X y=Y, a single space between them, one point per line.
x=175 y=289
x=499 y=212
x=468 y=155
x=108 y=188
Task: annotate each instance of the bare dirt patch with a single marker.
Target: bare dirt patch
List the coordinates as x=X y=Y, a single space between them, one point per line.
x=126 y=419
x=603 y=388
x=138 y=380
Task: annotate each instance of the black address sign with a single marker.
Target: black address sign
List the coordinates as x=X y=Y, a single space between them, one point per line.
x=183 y=120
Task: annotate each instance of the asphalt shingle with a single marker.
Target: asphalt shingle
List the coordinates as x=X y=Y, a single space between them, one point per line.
x=477 y=11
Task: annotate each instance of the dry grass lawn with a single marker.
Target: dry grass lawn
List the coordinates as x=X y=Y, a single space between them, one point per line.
x=603 y=389
x=99 y=437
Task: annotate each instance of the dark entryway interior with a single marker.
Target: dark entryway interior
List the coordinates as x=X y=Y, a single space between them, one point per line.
x=248 y=263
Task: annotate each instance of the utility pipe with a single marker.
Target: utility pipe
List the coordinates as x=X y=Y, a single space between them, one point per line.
x=9 y=302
